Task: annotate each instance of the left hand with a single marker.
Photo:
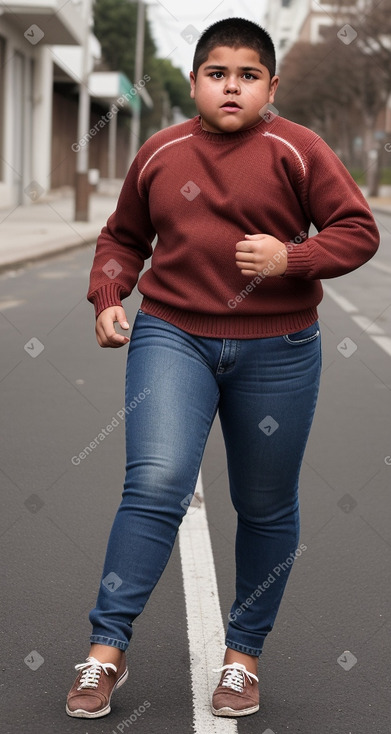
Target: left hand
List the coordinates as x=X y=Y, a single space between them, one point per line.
x=258 y=252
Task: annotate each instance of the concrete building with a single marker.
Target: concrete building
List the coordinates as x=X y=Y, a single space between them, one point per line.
x=112 y=101
x=284 y=20
x=41 y=44
x=27 y=31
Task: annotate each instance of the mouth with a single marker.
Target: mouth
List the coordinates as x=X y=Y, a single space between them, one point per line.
x=230 y=106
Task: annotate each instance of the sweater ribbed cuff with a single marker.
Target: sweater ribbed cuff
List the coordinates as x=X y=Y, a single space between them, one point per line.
x=299 y=265
x=106 y=296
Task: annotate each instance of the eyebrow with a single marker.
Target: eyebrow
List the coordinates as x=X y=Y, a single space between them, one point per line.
x=217 y=67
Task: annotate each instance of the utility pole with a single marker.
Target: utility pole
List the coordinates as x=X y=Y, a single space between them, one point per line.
x=82 y=192
x=138 y=73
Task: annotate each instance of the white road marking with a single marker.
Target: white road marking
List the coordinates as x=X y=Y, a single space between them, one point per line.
x=343 y=302
x=375 y=332
x=9 y=303
x=367 y=325
x=384 y=342
x=204 y=620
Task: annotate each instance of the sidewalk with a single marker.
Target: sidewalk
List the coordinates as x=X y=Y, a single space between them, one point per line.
x=46 y=227
x=380 y=204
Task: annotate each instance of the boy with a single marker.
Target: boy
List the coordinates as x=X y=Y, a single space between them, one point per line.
x=228 y=322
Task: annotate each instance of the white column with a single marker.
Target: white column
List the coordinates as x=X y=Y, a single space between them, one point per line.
x=28 y=102
x=9 y=188
x=112 y=152
x=42 y=118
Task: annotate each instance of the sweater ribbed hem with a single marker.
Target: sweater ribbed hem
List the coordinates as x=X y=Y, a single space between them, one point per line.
x=232 y=326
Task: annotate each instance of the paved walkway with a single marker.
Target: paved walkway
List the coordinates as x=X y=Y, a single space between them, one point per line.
x=47 y=226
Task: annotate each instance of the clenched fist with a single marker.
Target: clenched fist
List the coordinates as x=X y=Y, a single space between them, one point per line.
x=255 y=253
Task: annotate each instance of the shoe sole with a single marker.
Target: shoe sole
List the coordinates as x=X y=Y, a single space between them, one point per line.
x=226 y=711
x=82 y=714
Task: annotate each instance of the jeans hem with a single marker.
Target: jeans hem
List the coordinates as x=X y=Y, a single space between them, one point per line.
x=255 y=652
x=110 y=641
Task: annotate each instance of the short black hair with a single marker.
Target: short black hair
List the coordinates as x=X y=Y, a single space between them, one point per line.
x=236 y=33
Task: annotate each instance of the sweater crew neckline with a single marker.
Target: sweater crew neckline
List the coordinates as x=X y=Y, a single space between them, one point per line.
x=247 y=133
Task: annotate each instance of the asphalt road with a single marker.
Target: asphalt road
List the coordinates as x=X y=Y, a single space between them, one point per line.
x=325 y=667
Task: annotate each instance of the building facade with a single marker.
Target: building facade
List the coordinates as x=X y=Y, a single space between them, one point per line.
x=27 y=31
x=41 y=60
x=289 y=21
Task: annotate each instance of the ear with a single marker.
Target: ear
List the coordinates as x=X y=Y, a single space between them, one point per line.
x=192 y=85
x=273 y=87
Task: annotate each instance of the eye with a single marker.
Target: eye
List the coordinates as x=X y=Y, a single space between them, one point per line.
x=217 y=74
x=248 y=76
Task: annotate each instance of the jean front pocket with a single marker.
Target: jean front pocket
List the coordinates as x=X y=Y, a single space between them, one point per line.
x=305 y=336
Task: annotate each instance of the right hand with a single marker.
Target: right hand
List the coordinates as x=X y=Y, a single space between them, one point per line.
x=104 y=327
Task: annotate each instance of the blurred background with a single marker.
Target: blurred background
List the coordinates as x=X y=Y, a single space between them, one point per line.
x=83 y=84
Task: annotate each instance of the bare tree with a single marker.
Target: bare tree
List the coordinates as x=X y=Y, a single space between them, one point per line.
x=374 y=43
x=339 y=88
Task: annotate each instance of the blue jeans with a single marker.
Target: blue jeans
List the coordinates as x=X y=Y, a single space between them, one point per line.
x=265 y=392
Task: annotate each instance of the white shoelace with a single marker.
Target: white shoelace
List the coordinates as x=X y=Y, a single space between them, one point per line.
x=235 y=676
x=92 y=672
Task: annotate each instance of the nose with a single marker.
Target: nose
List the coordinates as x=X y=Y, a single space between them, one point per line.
x=232 y=85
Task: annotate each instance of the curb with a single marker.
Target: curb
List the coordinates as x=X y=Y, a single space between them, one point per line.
x=52 y=252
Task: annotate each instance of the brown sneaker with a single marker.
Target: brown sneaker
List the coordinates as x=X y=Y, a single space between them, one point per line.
x=236 y=694
x=91 y=692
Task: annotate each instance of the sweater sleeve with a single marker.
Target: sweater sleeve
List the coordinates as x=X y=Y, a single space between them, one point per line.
x=122 y=246
x=347 y=233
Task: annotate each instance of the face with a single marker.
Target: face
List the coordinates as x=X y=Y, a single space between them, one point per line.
x=230 y=89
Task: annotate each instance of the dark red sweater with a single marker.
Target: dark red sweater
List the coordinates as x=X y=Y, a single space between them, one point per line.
x=201 y=192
